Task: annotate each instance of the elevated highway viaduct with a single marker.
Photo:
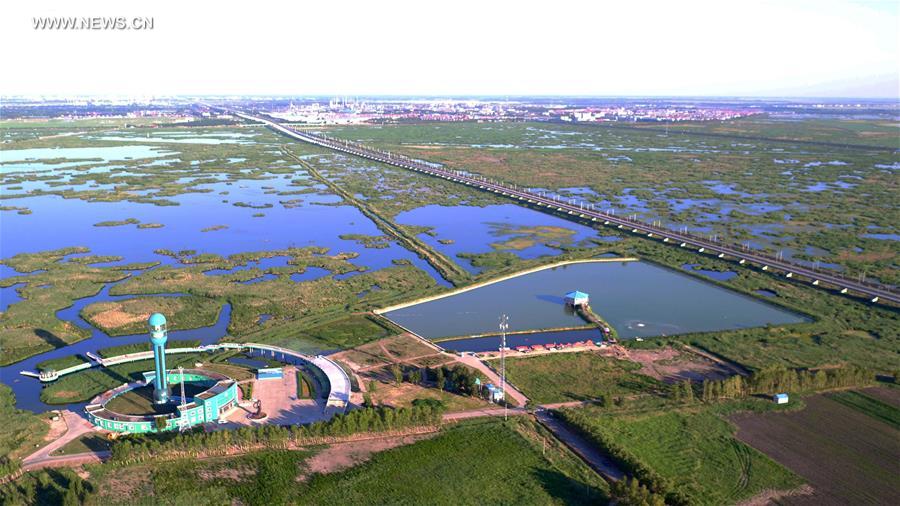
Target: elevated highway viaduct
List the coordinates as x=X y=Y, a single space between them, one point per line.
x=874 y=292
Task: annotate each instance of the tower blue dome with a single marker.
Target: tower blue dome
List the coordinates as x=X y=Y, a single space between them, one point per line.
x=156 y=320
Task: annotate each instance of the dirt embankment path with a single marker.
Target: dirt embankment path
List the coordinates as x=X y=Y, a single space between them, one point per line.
x=449 y=269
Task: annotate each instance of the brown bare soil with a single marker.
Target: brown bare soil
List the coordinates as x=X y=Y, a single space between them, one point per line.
x=65 y=394
x=671 y=365
x=342 y=456
x=774 y=496
x=846 y=456
x=399 y=348
x=888 y=395
x=57 y=429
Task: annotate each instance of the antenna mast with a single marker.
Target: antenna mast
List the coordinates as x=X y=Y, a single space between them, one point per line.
x=183 y=399
x=504 y=325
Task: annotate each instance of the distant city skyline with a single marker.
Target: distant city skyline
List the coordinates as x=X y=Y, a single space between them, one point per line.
x=798 y=49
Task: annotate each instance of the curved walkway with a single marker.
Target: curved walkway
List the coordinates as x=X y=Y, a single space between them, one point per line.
x=339 y=382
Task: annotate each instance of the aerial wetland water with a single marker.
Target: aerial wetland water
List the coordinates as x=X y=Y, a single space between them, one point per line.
x=227 y=193
x=778 y=195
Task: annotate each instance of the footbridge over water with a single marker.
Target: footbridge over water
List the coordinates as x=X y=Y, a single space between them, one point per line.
x=874 y=292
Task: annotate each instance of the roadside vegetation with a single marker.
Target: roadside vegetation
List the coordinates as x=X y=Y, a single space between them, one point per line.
x=20 y=432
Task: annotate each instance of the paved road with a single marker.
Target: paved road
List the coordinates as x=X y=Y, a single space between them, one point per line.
x=77 y=426
x=73 y=460
x=593 y=456
x=473 y=361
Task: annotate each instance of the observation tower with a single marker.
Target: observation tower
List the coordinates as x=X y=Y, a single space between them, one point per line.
x=158 y=337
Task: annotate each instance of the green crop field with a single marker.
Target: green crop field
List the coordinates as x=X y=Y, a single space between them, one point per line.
x=693 y=450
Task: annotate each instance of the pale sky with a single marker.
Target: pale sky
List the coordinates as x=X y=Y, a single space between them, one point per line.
x=557 y=47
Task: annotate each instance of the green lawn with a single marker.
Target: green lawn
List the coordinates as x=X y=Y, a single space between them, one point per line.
x=693 y=449
x=576 y=376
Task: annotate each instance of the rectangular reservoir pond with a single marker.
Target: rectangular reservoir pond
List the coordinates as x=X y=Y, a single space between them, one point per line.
x=638 y=299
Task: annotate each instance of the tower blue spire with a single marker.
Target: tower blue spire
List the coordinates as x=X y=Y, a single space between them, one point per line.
x=158 y=336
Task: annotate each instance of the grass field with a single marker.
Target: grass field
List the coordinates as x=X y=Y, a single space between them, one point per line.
x=58 y=364
x=847 y=456
x=576 y=377
x=125 y=349
x=478 y=462
x=694 y=449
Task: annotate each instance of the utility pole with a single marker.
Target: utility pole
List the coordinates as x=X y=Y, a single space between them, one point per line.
x=504 y=325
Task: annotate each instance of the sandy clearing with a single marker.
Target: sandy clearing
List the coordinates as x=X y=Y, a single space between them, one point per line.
x=670 y=365
x=346 y=455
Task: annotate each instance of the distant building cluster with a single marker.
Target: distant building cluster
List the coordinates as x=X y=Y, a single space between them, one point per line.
x=652 y=113
x=342 y=111
x=383 y=110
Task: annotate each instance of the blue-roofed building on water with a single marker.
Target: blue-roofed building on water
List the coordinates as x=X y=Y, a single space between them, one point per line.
x=576 y=298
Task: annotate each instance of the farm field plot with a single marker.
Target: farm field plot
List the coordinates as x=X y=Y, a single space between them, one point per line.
x=869 y=405
x=845 y=455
